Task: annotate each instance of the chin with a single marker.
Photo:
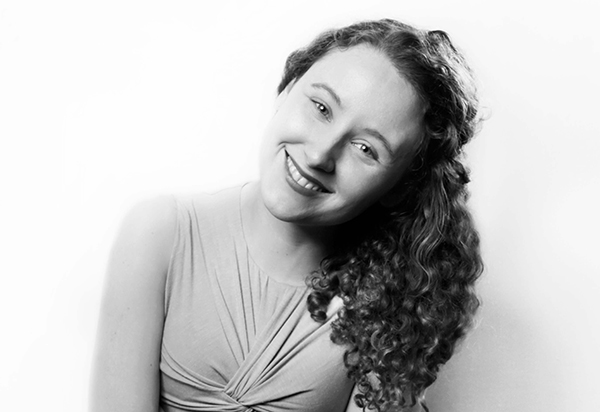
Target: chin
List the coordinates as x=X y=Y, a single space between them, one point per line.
x=275 y=201
x=281 y=212
x=285 y=205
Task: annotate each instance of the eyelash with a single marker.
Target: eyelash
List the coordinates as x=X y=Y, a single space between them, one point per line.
x=322 y=109
x=361 y=147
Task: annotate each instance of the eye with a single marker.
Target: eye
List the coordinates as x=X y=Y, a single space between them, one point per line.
x=364 y=149
x=323 y=110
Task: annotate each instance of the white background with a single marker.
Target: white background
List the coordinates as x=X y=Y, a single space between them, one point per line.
x=105 y=104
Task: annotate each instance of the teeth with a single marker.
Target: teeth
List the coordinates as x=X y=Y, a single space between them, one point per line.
x=301 y=180
x=311 y=186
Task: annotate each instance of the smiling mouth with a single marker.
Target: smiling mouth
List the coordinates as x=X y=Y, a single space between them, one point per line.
x=300 y=179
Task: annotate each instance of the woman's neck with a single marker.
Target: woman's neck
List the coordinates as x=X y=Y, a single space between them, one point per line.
x=282 y=249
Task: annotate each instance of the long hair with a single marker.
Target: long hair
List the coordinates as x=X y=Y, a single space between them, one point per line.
x=405 y=272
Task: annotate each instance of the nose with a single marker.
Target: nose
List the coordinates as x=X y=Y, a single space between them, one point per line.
x=321 y=154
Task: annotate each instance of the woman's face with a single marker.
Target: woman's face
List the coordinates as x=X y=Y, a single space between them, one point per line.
x=340 y=139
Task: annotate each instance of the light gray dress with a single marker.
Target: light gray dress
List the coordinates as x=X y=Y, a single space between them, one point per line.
x=234 y=338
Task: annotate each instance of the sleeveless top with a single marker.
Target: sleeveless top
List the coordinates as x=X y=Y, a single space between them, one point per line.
x=235 y=339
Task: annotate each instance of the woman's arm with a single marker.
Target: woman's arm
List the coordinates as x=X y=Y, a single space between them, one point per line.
x=126 y=365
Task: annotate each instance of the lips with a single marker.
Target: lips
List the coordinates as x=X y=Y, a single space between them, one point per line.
x=302 y=179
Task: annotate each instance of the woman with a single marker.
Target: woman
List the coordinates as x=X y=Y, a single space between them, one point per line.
x=342 y=280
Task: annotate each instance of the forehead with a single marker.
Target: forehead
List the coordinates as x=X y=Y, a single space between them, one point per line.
x=372 y=91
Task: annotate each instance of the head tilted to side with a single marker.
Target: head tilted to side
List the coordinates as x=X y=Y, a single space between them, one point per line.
x=407 y=270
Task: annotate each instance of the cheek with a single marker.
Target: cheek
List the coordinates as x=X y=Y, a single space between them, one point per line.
x=291 y=123
x=373 y=188
x=274 y=134
x=363 y=187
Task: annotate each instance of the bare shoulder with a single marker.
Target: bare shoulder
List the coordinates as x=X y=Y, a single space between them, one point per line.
x=143 y=244
x=140 y=254
x=149 y=226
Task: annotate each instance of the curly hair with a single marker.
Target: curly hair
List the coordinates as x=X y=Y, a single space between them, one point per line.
x=406 y=272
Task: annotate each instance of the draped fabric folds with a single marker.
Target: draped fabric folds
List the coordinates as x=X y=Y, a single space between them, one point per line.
x=234 y=338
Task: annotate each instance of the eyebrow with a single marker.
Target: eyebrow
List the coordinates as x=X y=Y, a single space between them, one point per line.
x=330 y=91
